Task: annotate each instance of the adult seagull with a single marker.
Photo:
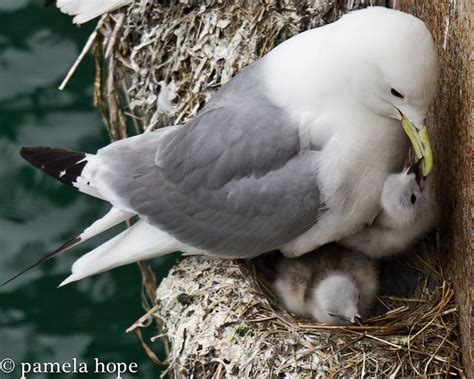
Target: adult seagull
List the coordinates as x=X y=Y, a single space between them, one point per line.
x=290 y=154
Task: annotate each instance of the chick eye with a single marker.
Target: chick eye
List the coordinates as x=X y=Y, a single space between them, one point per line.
x=413 y=198
x=394 y=92
x=338 y=317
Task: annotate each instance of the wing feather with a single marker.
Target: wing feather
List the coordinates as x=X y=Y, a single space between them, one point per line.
x=231 y=182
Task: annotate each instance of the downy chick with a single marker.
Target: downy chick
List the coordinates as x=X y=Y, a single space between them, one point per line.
x=332 y=285
x=408 y=213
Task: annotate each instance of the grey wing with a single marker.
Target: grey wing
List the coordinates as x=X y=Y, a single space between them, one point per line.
x=232 y=182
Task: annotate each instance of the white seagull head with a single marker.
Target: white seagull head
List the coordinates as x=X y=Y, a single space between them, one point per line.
x=394 y=62
x=371 y=66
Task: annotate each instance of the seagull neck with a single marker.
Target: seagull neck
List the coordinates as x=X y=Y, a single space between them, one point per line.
x=364 y=138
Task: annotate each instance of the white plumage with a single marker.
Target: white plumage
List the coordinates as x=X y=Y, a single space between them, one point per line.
x=86 y=10
x=139 y=242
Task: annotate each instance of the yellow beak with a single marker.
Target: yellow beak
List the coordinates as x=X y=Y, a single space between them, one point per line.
x=421 y=144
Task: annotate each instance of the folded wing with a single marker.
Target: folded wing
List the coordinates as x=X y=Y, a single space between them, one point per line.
x=233 y=182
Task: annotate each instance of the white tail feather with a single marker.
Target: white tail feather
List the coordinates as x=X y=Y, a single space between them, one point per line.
x=139 y=242
x=113 y=217
x=85 y=10
x=82 y=182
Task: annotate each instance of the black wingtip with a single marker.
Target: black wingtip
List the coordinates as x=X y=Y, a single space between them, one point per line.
x=62 y=164
x=26 y=153
x=72 y=242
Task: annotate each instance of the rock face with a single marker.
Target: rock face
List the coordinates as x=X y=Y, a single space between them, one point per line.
x=451 y=129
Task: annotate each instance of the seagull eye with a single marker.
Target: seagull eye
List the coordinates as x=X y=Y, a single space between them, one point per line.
x=394 y=92
x=413 y=198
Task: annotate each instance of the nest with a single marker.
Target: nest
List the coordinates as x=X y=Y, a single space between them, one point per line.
x=222 y=321
x=156 y=64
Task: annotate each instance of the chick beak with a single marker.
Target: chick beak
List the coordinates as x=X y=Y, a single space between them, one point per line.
x=415 y=169
x=420 y=141
x=357 y=320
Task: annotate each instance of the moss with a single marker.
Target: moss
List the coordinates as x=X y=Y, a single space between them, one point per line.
x=243 y=330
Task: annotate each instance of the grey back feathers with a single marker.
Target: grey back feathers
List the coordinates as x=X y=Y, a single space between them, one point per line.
x=231 y=182
x=327 y=284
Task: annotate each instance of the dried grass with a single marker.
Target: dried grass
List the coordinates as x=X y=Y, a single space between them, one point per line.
x=222 y=321
x=192 y=47
x=217 y=315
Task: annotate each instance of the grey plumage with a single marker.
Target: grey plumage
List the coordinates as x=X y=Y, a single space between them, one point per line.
x=298 y=279
x=232 y=182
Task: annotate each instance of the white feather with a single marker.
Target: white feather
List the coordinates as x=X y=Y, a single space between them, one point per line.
x=109 y=220
x=113 y=217
x=139 y=242
x=86 y=10
x=87 y=182
x=82 y=182
x=166 y=96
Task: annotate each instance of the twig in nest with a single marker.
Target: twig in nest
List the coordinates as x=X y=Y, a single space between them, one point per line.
x=83 y=53
x=147 y=348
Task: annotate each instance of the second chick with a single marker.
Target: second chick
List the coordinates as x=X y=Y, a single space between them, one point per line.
x=332 y=285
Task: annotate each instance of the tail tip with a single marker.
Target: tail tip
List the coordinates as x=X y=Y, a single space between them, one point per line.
x=71 y=278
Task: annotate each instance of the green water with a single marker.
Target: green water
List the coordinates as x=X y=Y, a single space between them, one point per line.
x=38 y=322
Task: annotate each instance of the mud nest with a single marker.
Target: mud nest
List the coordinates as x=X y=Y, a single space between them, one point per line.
x=156 y=64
